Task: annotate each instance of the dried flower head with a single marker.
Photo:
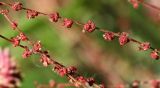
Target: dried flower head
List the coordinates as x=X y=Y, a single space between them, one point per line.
x=10 y=77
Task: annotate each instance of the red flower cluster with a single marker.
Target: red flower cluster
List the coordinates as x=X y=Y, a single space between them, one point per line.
x=17 y=6
x=37 y=47
x=62 y=71
x=54 y=17
x=45 y=59
x=27 y=53
x=32 y=14
x=154 y=55
x=108 y=36
x=16 y=40
x=89 y=26
x=123 y=38
x=144 y=46
x=68 y=23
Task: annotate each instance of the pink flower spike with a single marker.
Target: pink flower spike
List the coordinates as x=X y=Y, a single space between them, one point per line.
x=17 y=6
x=123 y=38
x=32 y=14
x=154 y=55
x=10 y=76
x=54 y=17
x=108 y=36
x=67 y=23
x=89 y=26
x=144 y=46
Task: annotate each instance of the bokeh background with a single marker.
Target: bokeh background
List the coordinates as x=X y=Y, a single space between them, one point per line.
x=107 y=62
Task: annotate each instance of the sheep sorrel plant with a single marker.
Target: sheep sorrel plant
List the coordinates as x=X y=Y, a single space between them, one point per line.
x=101 y=64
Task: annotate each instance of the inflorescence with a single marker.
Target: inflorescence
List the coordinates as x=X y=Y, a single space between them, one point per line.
x=90 y=26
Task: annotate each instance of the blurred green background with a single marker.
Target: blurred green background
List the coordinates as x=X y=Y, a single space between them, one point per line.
x=107 y=62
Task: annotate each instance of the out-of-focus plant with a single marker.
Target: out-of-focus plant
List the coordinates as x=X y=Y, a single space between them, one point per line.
x=10 y=76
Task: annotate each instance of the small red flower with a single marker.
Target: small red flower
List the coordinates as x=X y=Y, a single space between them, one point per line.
x=17 y=6
x=15 y=41
x=90 y=81
x=37 y=46
x=81 y=79
x=27 y=53
x=54 y=17
x=68 y=23
x=123 y=38
x=45 y=60
x=154 y=55
x=71 y=70
x=32 y=14
x=23 y=37
x=108 y=36
x=144 y=46
x=89 y=26
x=62 y=71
